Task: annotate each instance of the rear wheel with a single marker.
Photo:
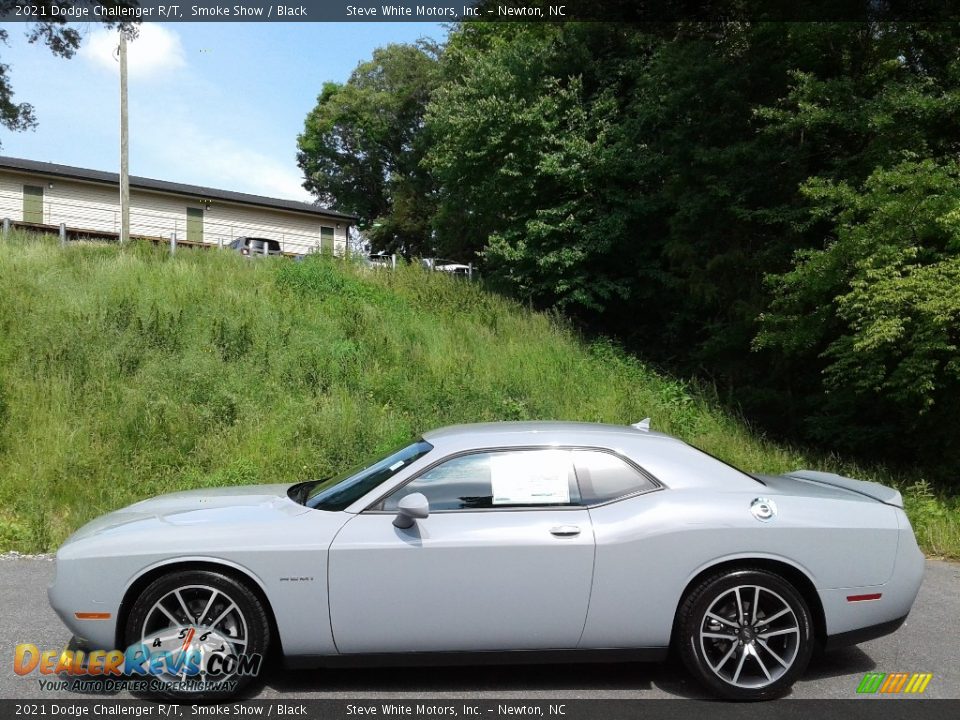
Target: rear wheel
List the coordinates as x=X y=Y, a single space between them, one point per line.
x=745 y=634
x=199 y=634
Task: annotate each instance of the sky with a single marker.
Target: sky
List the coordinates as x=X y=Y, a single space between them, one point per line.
x=213 y=104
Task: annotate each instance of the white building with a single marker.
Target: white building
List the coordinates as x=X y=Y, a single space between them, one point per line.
x=43 y=195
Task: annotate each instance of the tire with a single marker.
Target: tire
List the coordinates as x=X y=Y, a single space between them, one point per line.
x=226 y=621
x=733 y=654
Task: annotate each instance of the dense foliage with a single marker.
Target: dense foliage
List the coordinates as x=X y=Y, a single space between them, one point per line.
x=770 y=206
x=880 y=304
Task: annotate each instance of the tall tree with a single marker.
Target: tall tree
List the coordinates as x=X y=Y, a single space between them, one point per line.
x=868 y=308
x=648 y=179
x=601 y=167
x=523 y=149
x=362 y=145
x=877 y=310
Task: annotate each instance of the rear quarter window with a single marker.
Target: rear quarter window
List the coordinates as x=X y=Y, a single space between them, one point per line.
x=604 y=476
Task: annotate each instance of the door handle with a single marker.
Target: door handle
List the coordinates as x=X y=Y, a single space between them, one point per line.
x=565 y=531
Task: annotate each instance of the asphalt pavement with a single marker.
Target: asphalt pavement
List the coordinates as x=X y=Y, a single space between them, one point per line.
x=927 y=642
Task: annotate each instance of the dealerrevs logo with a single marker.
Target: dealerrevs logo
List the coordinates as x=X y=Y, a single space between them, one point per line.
x=138 y=660
x=894 y=683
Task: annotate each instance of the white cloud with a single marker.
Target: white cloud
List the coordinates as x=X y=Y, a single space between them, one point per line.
x=155 y=51
x=171 y=139
x=229 y=166
x=218 y=147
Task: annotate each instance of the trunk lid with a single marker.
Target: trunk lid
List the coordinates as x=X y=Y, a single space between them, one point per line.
x=831 y=481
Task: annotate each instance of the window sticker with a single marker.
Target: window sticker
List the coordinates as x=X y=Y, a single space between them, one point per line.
x=531 y=478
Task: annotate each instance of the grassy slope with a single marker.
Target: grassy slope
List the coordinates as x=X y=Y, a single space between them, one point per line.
x=124 y=374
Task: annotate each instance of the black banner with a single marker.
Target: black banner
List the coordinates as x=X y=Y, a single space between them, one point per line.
x=558 y=709
x=477 y=10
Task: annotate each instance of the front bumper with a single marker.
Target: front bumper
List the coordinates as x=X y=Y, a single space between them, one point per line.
x=83 y=606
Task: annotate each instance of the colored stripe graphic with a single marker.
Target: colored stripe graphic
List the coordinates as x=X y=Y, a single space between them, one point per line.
x=893 y=683
x=919 y=682
x=871 y=682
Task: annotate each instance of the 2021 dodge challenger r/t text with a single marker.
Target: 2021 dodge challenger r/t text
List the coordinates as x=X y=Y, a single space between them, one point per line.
x=503 y=541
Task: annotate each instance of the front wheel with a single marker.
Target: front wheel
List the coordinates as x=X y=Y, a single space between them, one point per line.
x=197 y=634
x=745 y=634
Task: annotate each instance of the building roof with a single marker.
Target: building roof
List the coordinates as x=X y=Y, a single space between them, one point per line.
x=141 y=183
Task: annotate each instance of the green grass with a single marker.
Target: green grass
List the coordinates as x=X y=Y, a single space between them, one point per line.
x=125 y=373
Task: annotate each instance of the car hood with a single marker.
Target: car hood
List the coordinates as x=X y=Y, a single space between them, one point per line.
x=821 y=484
x=245 y=505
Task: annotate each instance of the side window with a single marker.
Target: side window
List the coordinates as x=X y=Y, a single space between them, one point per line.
x=604 y=477
x=503 y=479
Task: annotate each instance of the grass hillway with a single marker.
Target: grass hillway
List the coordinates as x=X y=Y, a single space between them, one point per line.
x=125 y=373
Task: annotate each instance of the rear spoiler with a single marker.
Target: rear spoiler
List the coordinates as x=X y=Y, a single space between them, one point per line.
x=884 y=494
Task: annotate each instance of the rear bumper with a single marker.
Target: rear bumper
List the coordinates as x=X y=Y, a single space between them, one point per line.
x=855 y=637
x=867 y=612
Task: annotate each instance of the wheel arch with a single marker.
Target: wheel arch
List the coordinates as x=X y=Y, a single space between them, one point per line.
x=238 y=573
x=798 y=578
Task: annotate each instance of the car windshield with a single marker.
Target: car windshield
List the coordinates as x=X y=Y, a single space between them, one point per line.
x=342 y=491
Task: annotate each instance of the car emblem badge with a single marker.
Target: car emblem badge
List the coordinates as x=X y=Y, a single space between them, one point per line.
x=763 y=509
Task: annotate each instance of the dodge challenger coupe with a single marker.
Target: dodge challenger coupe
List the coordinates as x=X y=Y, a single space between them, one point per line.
x=504 y=542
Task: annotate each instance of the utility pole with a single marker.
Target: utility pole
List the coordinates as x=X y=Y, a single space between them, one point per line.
x=124 y=146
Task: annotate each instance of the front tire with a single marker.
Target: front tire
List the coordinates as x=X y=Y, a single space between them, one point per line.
x=204 y=629
x=745 y=634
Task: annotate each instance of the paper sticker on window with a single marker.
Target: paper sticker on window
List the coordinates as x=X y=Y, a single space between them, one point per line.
x=530 y=478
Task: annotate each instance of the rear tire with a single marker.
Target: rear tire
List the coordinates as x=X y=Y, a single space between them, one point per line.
x=199 y=624
x=745 y=634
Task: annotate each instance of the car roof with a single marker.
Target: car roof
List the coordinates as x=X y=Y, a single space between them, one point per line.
x=534 y=431
x=672 y=461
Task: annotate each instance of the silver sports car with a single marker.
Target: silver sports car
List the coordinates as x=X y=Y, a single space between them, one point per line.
x=509 y=542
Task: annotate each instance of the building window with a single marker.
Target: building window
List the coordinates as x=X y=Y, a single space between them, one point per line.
x=33 y=204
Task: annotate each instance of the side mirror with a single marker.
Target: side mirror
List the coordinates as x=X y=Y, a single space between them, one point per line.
x=411 y=508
